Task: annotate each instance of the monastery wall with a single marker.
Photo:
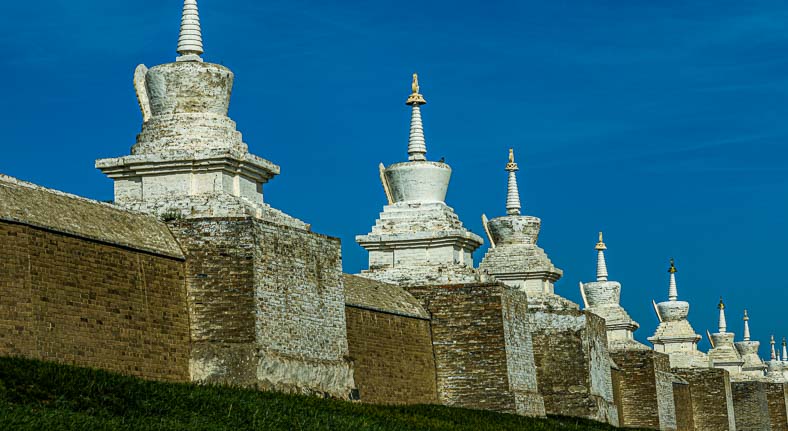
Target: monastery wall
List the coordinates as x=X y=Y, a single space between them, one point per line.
x=682 y=400
x=644 y=389
x=87 y=284
x=480 y=338
x=751 y=406
x=390 y=344
x=777 y=397
x=573 y=364
x=712 y=399
x=266 y=305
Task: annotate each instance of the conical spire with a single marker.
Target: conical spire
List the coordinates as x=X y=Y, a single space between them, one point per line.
x=673 y=293
x=746 y=326
x=785 y=351
x=513 y=194
x=723 y=325
x=417 y=146
x=774 y=351
x=601 y=265
x=190 y=39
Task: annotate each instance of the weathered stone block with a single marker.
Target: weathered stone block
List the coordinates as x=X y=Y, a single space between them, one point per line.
x=751 y=406
x=712 y=398
x=682 y=400
x=573 y=363
x=777 y=396
x=483 y=347
x=267 y=305
x=644 y=389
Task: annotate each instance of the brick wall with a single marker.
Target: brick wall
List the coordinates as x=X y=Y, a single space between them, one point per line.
x=712 y=400
x=751 y=406
x=392 y=357
x=682 y=400
x=644 y=389
x=573 y=365
x=777 y=396
x=267 y=305
x=78 y=301
x=471 y=339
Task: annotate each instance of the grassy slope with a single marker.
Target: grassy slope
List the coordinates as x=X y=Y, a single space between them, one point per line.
x=38 y=395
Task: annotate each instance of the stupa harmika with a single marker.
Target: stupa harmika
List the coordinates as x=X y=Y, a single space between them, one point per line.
x=418 y=239
x=675 y=335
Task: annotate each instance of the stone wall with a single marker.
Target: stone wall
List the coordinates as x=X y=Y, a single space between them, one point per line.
x=682 y=400
x=267 y=306
x=390 y=343
x=712 y=400
x=573 y=364
x=751 y=406
x=644 y=389
x=85 y=283
x=482 y=347
x=777 y=396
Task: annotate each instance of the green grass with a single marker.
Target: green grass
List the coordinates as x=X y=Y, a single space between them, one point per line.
x=44 y=396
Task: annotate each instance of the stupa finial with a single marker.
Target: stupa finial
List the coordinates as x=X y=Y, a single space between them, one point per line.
x=723 y=325
x=746 y=326
x=417 y=146
x=513 y=206
x=673 y=293
x=601 y=265
x=190 y=39
x=774 y=351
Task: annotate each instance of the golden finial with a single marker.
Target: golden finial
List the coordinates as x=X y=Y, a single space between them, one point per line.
x=416 y=98
x=784 y=343
x=512 y=166
x=746 y=317
x=722 y=304
x=672 y=269
x=601 y=244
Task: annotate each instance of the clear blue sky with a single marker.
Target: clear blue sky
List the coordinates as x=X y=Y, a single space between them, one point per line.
x=661 y=123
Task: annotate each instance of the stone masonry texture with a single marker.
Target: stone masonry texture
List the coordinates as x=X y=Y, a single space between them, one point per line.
x=777 y=396
x=644 y=389
x=390 y=343
x=573 y=364
x=682 y=400
x=712 y=400
x=751 y=406
x=266 y=305
x=482 y=347
x=77 y=301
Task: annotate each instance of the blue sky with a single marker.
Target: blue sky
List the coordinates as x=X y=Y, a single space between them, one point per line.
x=661 y=123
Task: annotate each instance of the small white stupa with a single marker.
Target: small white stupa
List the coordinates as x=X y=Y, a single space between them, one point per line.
x=748 y=349
x=723 y=353
x=513 y=257
x=775 y=367
x=675 y=335
x=418 y=239
x=602 y=297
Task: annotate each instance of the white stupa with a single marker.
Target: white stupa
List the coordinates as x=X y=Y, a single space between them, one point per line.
x=723 y=353
x=418 y=239
x=675 y=335
x=748 y=350
x=602 y=297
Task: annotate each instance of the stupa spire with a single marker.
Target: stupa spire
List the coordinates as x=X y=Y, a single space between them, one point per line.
x=774 y=351
x=673 y=293
x=723 y=325
x=190 y=39
x=417 y=146
x=746 y=326
x=785 y=351
x=601 y=265
x=513 y=193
